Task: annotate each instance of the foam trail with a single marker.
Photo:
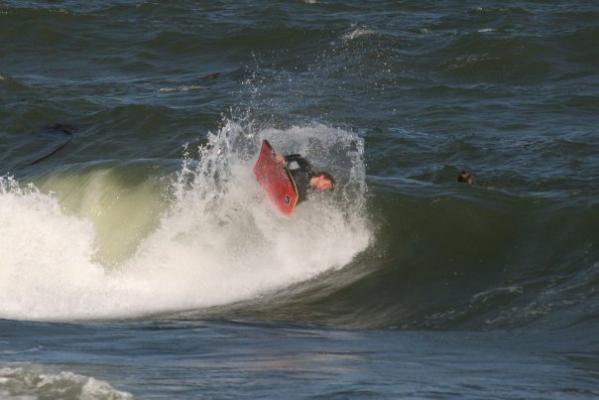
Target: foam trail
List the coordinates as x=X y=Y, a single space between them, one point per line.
x=219 y=240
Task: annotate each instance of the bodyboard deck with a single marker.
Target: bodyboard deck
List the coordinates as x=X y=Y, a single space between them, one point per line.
x=275 y=180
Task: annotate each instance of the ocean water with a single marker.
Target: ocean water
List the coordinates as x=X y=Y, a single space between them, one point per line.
x=139 y=259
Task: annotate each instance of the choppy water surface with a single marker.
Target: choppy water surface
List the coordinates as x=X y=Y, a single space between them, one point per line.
x=139 y=258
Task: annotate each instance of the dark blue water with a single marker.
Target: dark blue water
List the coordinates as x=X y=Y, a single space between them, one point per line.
x=139 y=257
x=162 y=359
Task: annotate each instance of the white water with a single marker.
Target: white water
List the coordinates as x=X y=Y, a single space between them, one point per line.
x=29 y=381
x=218 y=241
x=356 y=33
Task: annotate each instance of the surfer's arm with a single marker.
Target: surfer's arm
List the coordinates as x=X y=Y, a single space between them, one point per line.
x=293 y=157
x=288 y=158
x=294 y=162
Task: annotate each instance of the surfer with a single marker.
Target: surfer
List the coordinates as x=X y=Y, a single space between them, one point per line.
x=288 y=180
x=305 y=178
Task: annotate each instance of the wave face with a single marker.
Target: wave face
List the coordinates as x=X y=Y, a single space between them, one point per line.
x=123 y=221
x=456 y=260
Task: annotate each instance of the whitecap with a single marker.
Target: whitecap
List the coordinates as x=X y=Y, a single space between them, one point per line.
x=29 y=381
x=356 y=33
x=182 y=88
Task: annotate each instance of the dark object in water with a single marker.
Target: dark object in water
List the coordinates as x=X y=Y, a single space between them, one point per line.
x=212 y=76
x=466 y=177
x=56 y=129
x=60 y=128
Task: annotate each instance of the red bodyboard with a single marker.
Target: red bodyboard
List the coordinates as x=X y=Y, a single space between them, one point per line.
x=275 y=180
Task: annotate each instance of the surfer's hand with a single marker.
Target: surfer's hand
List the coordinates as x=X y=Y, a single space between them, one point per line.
x=280 y=159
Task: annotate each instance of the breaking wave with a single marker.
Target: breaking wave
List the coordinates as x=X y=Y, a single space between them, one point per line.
x=110 y=240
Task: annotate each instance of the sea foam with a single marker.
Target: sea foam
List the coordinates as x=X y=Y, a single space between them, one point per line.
x=28 y=381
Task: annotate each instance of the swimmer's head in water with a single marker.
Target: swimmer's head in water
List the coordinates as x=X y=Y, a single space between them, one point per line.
x=466 y=177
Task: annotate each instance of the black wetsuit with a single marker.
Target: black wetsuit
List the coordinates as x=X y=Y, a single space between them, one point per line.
x=301 y=171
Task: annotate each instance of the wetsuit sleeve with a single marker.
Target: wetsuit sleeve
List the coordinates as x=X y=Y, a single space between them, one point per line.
x=302 y=163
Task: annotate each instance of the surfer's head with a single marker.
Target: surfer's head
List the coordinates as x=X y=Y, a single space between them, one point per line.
x=322 y=181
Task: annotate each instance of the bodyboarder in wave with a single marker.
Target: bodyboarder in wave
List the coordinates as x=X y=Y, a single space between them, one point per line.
x=289 y=180
x=305 y=179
